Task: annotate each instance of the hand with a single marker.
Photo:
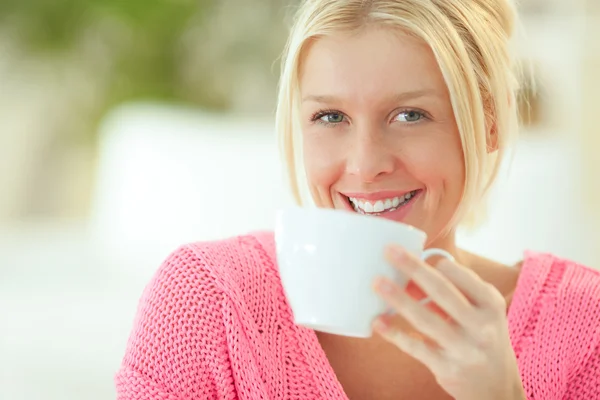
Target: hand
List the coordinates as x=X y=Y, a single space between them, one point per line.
x=469 y=352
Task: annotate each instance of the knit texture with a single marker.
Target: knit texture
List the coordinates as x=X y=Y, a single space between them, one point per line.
x=214 y=323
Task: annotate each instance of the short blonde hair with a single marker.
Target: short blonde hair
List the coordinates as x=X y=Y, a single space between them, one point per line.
x=470 y=40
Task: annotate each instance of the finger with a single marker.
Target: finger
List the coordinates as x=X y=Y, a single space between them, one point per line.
x=481 y=293
x=415 y=292
x=419 y=296
x=410 y=344
x=422 y=319
x=432 y=282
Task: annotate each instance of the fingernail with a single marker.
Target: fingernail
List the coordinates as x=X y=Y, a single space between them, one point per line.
x=397 y=252
x=385 y=286
x=380 y=325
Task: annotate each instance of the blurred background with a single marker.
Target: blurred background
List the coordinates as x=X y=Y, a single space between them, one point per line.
x=130 y=127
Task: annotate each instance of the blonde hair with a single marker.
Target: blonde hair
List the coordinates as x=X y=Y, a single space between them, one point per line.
x=470 y=40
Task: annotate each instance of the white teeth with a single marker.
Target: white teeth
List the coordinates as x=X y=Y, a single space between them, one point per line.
x=380 y=206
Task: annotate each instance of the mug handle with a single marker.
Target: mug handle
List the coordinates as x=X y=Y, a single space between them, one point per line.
x=430 y=253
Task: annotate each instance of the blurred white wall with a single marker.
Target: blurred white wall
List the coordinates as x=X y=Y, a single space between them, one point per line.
x=169 y=175
x=590 y=129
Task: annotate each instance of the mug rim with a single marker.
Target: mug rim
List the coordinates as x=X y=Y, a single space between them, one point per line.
x=301 y=209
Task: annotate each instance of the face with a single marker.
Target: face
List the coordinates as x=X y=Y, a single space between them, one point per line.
x=379 y=132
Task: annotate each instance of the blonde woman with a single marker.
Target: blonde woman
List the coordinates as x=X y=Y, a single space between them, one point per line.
x=402 y=109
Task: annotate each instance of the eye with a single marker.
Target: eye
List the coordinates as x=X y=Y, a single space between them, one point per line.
x=332 y=118
x=328 y=117
x=410 y=116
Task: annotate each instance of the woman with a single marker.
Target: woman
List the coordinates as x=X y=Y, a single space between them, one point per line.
x=403 y=109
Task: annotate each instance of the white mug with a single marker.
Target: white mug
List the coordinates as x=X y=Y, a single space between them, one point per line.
x=328 y=260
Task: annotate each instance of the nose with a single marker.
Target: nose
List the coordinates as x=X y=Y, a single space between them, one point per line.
x=369 y=158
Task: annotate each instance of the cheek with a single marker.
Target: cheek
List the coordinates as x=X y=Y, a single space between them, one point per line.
x=322 y=164
x=438 y=164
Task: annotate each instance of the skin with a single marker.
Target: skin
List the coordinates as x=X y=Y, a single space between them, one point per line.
x=376 y=116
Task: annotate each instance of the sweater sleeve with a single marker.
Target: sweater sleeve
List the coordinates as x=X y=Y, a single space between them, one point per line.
x=177 y=349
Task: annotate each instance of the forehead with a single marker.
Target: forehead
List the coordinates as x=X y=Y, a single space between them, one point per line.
x=368 y=63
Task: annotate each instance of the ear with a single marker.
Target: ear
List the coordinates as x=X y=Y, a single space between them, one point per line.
x=492 y=137
x=491 y=126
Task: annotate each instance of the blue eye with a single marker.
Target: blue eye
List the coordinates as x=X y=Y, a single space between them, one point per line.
x=410 y=116
x=332 y=118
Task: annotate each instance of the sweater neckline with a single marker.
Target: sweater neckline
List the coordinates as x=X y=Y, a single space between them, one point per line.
x=534 y=272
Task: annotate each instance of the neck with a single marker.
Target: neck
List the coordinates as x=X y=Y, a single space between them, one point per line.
x=448 y=242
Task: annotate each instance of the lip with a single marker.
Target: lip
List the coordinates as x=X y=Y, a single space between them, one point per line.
x=398 y=215
x=374 y=196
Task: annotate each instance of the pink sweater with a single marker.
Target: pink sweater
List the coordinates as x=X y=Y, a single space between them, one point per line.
x=214 y=324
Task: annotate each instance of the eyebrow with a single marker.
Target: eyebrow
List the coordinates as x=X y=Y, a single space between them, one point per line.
x=410 y=95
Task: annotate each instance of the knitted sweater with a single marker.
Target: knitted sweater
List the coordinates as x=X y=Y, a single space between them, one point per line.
x=214 y=324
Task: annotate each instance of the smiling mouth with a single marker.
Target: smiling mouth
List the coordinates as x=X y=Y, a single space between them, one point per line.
x=382 y=206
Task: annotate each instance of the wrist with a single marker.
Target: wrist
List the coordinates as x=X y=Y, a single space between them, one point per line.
x=519 y=391
x=513 y=392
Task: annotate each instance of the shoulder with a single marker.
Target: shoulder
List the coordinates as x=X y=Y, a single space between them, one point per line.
x=236 y=275
x=233 y=267
x=566 y=288
x=571 y=282
x=235 y=264
x=556 y=320
x=195 y=282
x=179 y=340
x=571 y=293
